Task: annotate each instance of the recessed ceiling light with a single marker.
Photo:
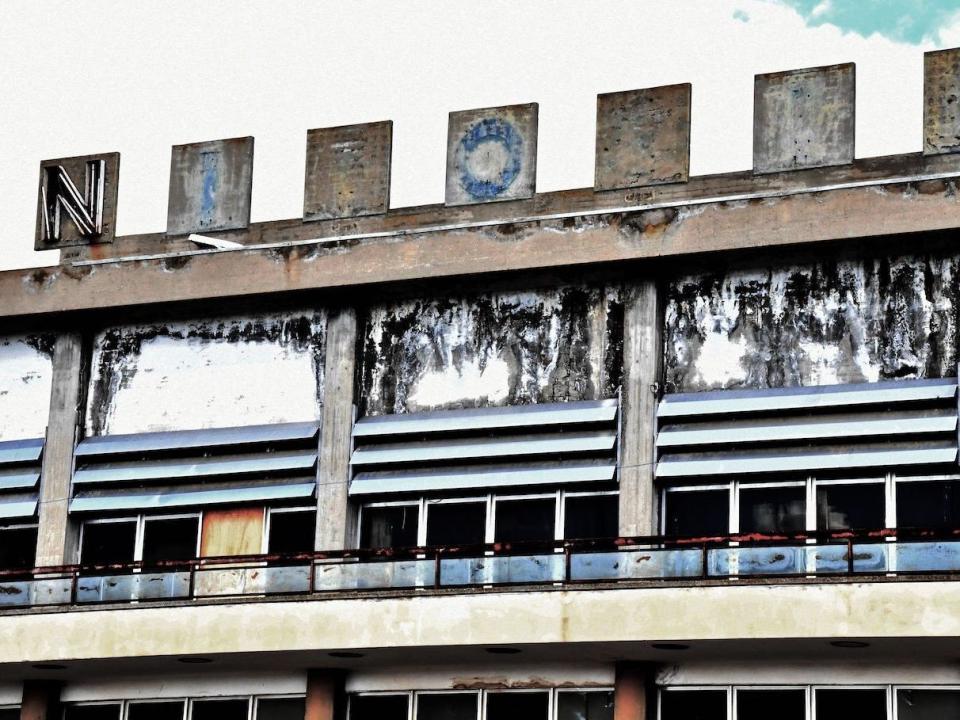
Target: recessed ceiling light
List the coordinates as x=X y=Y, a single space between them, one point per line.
x=344 y=654
x=49 y=666
x=194 y=660
x=849 y=644
x=669 y=646
x=503 y=650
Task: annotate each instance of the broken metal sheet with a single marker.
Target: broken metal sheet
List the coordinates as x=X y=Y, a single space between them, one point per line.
x=478 y=478
x=190 y=498
x=193 y=439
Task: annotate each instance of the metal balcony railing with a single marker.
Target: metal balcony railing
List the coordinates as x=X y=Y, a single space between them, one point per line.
x=565 y=564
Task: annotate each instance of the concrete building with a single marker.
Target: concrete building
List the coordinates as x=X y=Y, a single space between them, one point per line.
x=669 y=447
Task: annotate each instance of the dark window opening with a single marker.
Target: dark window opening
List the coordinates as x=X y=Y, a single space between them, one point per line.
x=92 y=712
x=698 y=513
x=511 y=706
x=773 y=510
x=18 y=548
x=281 y=708
x=378 y=707
x=845 y=704
x=693 y=705
x=591 y=516
x=456 y=523
x=392 y=526
x=851 y=507
x=220 y=709
x=525 y=520
x=9 y=714
x=292 y=532
x=764 y=704
x=108 y=543
x=448 y=706
x=170 y=539
x=591 y=705
x=928 y=704
x=934 y=505
x=155 y=711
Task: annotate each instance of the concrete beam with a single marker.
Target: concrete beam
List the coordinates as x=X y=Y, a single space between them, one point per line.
x=41 y=700
x=642 y=353
x=336 y=521
x=57 y=535
x=941 y=101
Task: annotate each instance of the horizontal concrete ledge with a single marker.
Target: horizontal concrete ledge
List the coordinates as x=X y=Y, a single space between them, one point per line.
x=924 y=610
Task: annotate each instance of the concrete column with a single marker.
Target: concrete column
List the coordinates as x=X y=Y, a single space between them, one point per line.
x=336 y=522
x=633 y=697
x=324 y=690
x=642 y=352
x=57 y=537
x=41 y=700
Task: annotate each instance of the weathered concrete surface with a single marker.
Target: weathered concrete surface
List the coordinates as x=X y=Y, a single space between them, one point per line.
x=210 y=186
x=491 y=154
x=803 y=118
x=348 y=171
x=733 y=612
x=26 y=376
x=215 y=372
x=493 y=349
x=818 y=323
x=941 y=101
x=98 y=194
x=643 y=137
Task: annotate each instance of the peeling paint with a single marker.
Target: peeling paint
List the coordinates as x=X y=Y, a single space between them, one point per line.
x=26 y=377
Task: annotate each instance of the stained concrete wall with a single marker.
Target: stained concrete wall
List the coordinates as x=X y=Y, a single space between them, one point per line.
x=206 y=373
x=492 y=349
x=817 y=323
x=26 y=374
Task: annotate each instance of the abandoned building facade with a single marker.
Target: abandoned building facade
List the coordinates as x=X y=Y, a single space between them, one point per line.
x=667 y=448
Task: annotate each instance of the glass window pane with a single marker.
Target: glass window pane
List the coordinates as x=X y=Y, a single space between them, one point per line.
x=693 y=705
x=456 y=523
x=281 y=708
x=591 y=516
x=927 y=505
x=846 y=704
x=447 y=706
x=765 y=704
x=850 y=507
x=394 y=526
x=220 y=709
x=108 y=543
x=170 y=539
x=928 y=704
x=155 y=711
x=10 y=714
x=378 y=707
x=525 y=520
x=18 y=548
x=773 y=510
x=698 y=513
x=292 y=532
x=92 y=712
x=511 y=706
x=589 y=705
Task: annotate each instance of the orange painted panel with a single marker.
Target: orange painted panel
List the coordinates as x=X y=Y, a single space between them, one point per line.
x=234 y=531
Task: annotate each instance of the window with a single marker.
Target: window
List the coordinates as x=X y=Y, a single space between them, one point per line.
x=292 y=531
x=378 y=707
x=858 y=506
x=698 y=513
x=9 y=713
x=18 y=547
x=93 y=712
x=525 y=520
x=587 y=705
x=928 y=704
x=389 y=526
x=863 y=704
x=773 y=510
x=155 y=710
x=928 y=504
x=170 y=538
x=108 y=542
x=514 y=705
x=447 y=706
x=591 y=516
x=763 y=704
x=693 y=705
x=220 y=709
x=456 y=523
x=281 y=708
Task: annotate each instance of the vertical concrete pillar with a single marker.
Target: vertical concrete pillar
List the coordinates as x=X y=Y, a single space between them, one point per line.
x=41 y=700
x=324 y=689
x=56 y=536
x=335 y=521
x=642 y=351
x=633 y=697
x=941 y=86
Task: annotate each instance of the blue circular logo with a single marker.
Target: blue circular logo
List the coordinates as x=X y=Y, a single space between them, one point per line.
x=489 y=158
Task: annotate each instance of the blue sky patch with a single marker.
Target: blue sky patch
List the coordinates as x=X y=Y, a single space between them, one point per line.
x=909 y=21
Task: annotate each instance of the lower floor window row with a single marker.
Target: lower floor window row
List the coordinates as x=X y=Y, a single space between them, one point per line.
x=235 y=708
x=487 y=704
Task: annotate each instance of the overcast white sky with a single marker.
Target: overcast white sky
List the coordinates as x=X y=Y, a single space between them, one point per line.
x=138 y=77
